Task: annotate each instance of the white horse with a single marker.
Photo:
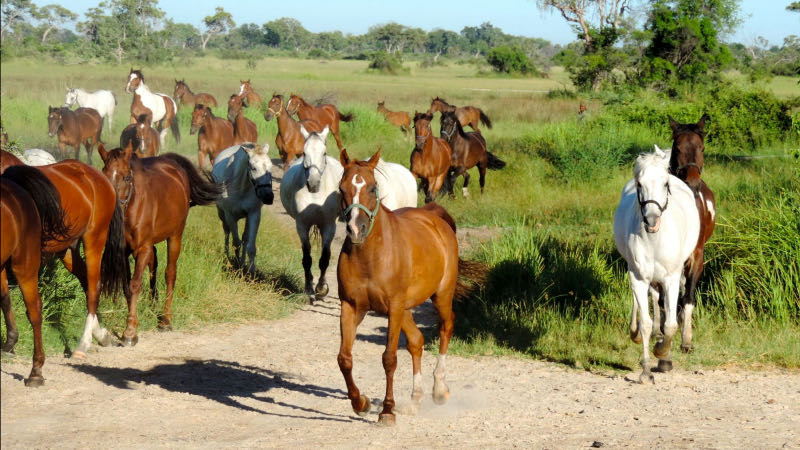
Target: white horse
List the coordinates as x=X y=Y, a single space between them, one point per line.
x=102 y=101
x=396 y=185
x=37 y=157
x=161 y=105
x=656 y=227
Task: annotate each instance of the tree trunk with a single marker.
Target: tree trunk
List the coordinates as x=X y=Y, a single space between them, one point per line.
x=204 y=40
x=46 y=32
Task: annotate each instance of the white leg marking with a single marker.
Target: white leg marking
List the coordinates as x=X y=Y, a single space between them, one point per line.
x=686 y=335
x=465 y=191
x=86 y=338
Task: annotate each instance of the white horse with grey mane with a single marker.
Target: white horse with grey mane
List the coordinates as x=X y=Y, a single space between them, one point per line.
x=656 y=227
x=102 y=101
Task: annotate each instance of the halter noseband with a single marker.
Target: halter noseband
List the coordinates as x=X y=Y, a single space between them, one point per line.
x=690 y=164
x=451 y=133
x=420 y=139
x=370 y=214
x=278 y=112
x=643 y=204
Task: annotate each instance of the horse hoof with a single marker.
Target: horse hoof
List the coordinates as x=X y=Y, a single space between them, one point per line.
x=441 y=398
x=130 y=342
x=164 y=326
x=636 y=337
x=364 y=409
x=34 y=381
x=321 y=291
x=647 y=376
x=416 y=396
x=106 y=341
x=386 y=420
x=664 y=365
x=661 y=349
x=687 y=348
x=78 y=354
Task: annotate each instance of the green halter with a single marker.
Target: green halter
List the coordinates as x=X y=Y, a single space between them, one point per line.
x=370 y=214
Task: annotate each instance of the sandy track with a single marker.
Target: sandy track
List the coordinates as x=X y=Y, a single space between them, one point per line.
x=277 y=384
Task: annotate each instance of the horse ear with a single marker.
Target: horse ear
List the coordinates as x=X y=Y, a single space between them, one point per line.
x=101 y=149
x=373 y=160
x=659 y=152
x=673 y=124
x=324 y=133
x=304 y=132
x=344 y=158
x=702 y=122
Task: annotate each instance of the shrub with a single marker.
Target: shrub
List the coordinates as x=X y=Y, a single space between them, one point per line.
x=385 y=62
x=511 y=60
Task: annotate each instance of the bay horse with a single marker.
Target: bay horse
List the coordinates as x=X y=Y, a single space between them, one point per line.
x=73 y=128
x=244 y=172
x=656 y=227
x=467 y=115
x=251 y=97
x=289 y=140
x=431 y=157
x=244 y=130
x=102 y=101
x=141 y=137
x=186 y=97
x=162 y=107
x=325 y=115
x=686 y=163
x=399 y=119
x=155 y=194
x=392 y=261
x=31 y=214
x=93 y=218
x=468 y=150
x=214 y=134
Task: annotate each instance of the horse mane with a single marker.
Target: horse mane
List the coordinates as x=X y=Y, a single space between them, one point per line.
x=441 y=100
x=138 y=74
x=423 y=115
x=645 y=160
x=689 y=128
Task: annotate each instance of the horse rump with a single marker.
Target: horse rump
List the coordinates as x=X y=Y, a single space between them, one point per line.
x=46 y=198
x=495 y=163
x=441 y=212
x=203 y=190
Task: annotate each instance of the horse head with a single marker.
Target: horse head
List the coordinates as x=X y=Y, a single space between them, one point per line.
x=686 y=161
x=117 y=168
x=274 y=107
x=422 y=124
x=135 y=78
x=314 y=157
x=260 y=171
x=359 y=195
x=449 y=126
x=234 y=107
x=293 y=104
x=199 y=115
x=651 y=174
x=53 y=120
x=71 y=97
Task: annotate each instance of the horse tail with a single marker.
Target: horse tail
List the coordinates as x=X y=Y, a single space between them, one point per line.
x=113 y=267
x=45 y=197
x=176 y=130
x=495 y=163
x=472 y=276
x=345 y=117
x=203 y=190
x=485 y=119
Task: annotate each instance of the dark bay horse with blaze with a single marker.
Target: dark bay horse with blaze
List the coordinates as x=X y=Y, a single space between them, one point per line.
x=94 y=219
x=326 y=114
x=392 y=261
x=431 y=157
x=467 y=115
x=468 y=151
x=186 y=97
x=214 y=134
x=141 y=137
x=155 y=194
x=73 y=128
x=399 y=119
x=244 y=130
x=289 y=140
x=31 y=214
x=686 y=163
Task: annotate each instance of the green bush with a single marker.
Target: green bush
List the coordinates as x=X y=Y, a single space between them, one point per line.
x=511 y=60
x=385 y=62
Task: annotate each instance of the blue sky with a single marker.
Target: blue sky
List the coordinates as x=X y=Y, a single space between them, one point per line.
x=767 y=18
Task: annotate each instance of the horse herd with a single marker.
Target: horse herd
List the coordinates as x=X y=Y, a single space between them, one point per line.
x=395 y=255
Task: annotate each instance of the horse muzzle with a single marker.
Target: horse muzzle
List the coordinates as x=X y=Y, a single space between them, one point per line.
x=193 y=129
x=263 y=186
x=654 y=227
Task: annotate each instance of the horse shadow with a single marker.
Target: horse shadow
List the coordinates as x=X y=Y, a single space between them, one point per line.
x=223 y=382
x=282 y=281
x=426 y=318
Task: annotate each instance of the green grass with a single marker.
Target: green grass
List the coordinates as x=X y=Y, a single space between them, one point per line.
x=558 y=290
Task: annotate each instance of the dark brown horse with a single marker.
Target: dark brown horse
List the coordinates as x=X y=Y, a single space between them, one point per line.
x=244 y=130
x=93 y=218
x=31 y=214
x=142 y=138
x=251 y=97
x=397 y=118
x=186 y=97
x=467 y=115
x=289 y=139
x=468 y=151
x=392 y=261
x=214 y=134
x=431 y=157
x=82 y=126
x=326 y=114
x=156 y=194
x=686 y=163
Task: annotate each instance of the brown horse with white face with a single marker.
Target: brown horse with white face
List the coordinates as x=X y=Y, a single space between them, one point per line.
x=249 y=94
x=186 y=97
x=156 y=194
x=468 y=150
x=214 y=134
x=244 y=130
x=467 y=115
x=82 y=126
x=686 y=163
x=392 y=261
x=431 y=157
x=142 y=138
x=289 y=140
x=326 y=114
x=399 y=119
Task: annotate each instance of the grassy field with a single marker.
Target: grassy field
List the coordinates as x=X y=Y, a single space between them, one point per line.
x=557 y=289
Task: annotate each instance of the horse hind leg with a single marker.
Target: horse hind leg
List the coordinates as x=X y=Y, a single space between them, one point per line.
x=302 y=231
x=8 y=315
x=322 y=285
x=443 y=301
x=171 y=273
x=153 y=272
x=29 y=285
x=662 y=348
x=414 y=346
x=482 y=175
x=687 y=301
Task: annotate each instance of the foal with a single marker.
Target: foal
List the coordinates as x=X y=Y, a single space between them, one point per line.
x=431 y=157
x=244 y=130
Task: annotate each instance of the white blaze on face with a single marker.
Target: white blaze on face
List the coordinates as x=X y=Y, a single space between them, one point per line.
x=241 y=89
x=356 y=199
x=130 y=78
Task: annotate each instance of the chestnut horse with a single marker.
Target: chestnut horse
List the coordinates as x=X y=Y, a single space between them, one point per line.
x=468 y=151
x=251 y=97
x=156 y=194
x=82 y=126
x=326 y=114
x=162 y=107
x=31 y=214
x=430 y=159
x=244 y=130
x=686 y=163
x=141 y=137
x=397 y=118
x=186 y=97
x=95 y=219
x=214 y=134
x=467 y=115
x=289 y=140
x=392 y=261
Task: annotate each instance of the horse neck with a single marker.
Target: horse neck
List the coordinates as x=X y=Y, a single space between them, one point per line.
x=445 y=107
x=240 y=178
x=375 y=244
x=142 y=89
x=81 y=96
x=383 y=110
x=286 y=123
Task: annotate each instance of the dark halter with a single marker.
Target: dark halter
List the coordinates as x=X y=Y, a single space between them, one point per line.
x=644 y=203
x=124 y=203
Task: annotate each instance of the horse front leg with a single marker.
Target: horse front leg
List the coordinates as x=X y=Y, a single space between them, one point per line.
x=93 y=247
x=5 y=301
x=327 y=237
x=349 y=319
x=640 y=289
x=251 y=233
x=687 y=300
x=464 y=189
x=302 y=231
x=171 y=273
x=142 y=257
x=662 y=348
x=386 y=417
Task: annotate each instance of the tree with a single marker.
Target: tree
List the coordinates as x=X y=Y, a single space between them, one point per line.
x=391 y=36
x=794 y=7
x=220 y=22
x=182 y=35
x=442 y=42
x=510 y=60
x=287 y=33
x=118 y=28
x=14 y=12
x=609 y=14
x=54 y=17
x=482 y=38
